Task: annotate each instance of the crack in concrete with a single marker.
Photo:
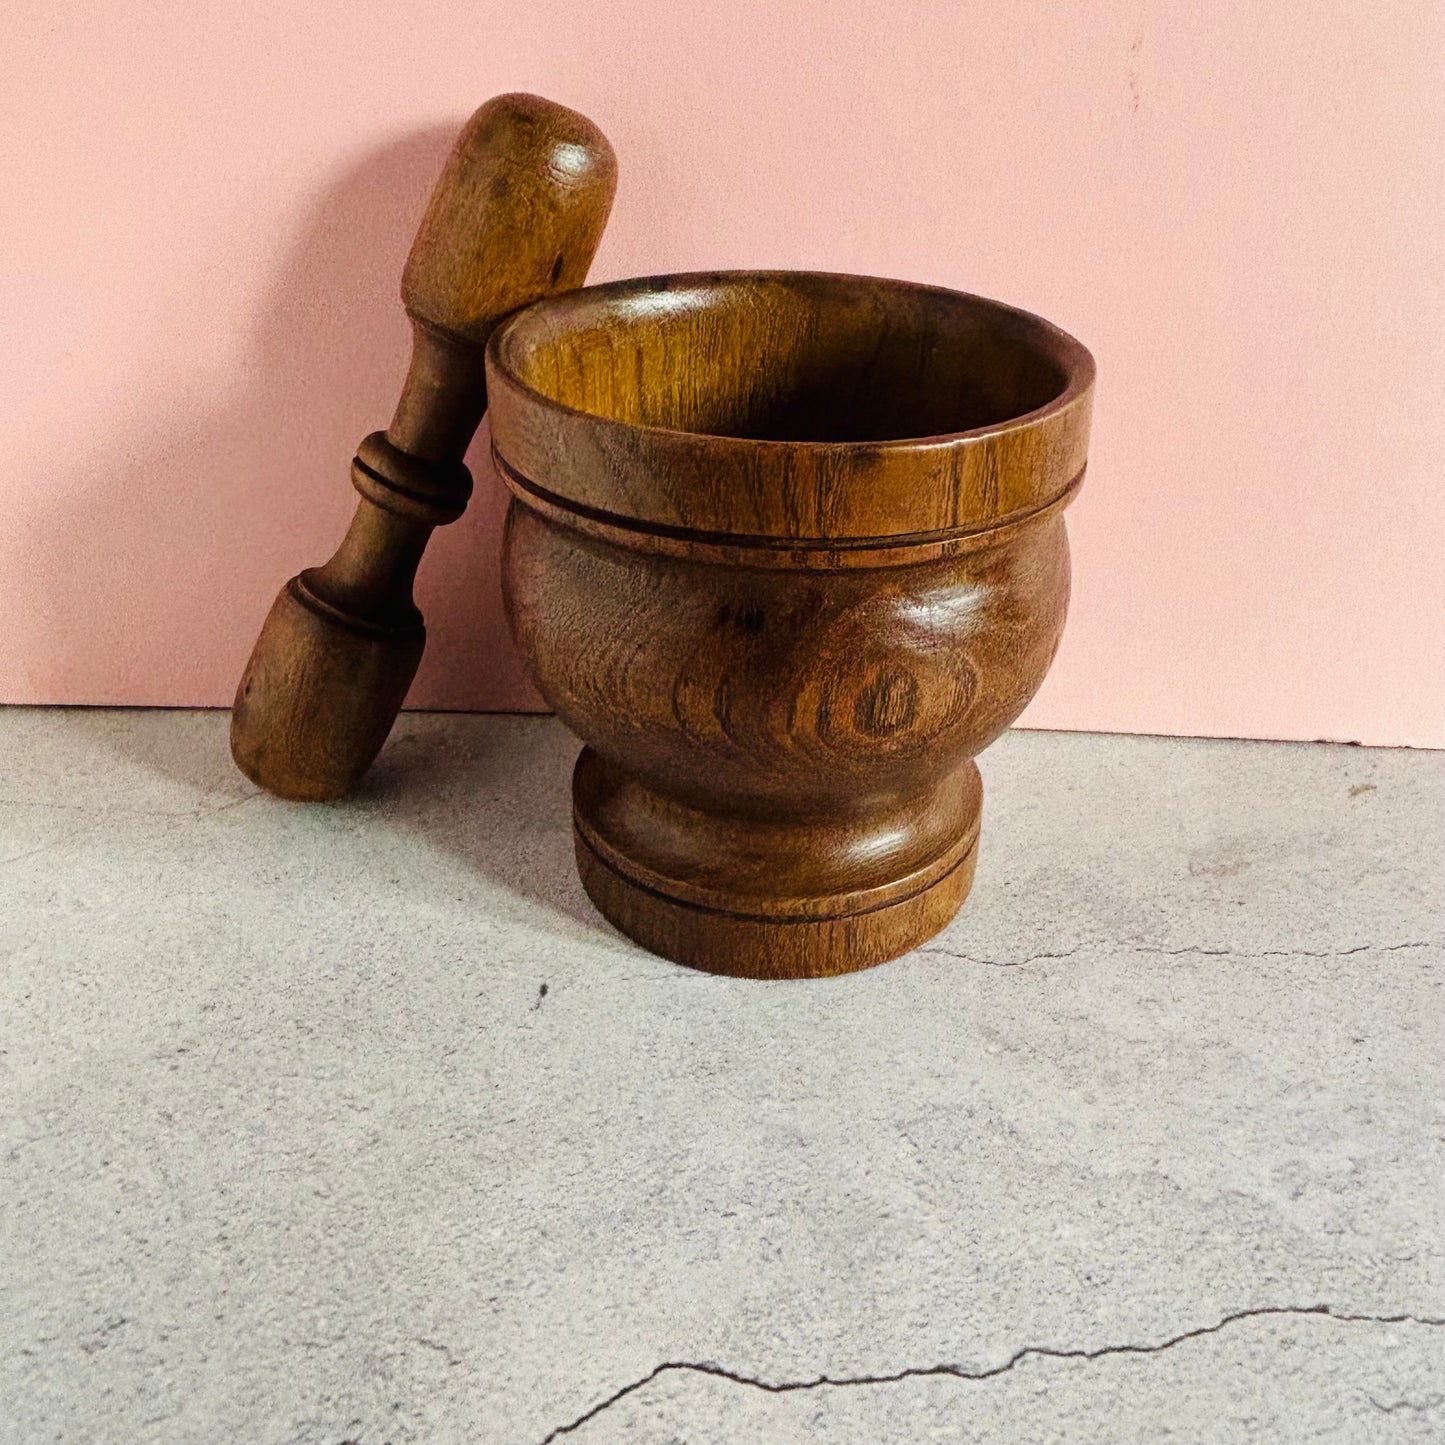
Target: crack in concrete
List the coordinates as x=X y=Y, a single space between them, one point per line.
x=1183 y=952
x=958 y=1372
x=1004 y=963
x=226 y=807
x=195 y=814
x=439 y=1348
x=1293 y=952
x=99 y=1336
x=115 y=810
x=1418 y=1407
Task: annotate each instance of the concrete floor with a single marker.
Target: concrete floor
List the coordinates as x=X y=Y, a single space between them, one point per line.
x=354 y=1123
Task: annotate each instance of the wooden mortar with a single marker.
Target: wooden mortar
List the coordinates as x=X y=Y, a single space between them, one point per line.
x=786 y=550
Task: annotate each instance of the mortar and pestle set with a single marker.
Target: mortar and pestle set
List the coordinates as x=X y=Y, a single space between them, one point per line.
x=786 y=550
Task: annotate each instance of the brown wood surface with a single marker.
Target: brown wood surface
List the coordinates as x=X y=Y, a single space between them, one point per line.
x=517 y=214
x=786 y=551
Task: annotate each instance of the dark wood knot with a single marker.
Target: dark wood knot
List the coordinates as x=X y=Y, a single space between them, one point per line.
x=889 y=705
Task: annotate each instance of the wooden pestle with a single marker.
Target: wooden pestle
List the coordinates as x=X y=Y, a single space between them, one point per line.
x=517 y=214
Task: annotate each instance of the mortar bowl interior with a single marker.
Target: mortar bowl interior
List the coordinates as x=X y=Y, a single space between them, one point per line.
x=801 y=357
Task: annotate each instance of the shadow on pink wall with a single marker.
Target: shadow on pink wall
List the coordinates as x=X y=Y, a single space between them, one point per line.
x=266 y=475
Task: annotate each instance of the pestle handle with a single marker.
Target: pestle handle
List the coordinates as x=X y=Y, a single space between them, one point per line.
x=517 y=214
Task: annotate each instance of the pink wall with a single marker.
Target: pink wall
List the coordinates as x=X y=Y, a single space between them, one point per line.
x=1239 y=207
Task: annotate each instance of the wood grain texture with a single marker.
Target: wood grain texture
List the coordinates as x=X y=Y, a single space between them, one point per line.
x=517 y=213
x=787 y=551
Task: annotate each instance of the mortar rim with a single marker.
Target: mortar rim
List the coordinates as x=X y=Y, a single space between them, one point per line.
x=1073 y=358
